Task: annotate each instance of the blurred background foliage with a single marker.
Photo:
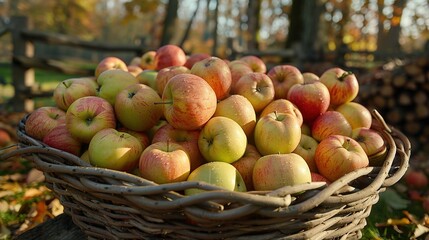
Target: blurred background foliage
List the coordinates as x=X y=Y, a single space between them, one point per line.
x=389 y=26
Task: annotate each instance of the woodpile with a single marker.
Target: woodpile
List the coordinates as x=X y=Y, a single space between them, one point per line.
x=400 y=92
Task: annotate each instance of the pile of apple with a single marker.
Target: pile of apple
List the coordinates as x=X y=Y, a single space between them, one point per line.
x=169 y=117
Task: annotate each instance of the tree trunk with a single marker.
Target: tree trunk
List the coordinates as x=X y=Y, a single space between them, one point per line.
x=216 y=13
x=253 y=23
x=296 y=24
x=169 y=21
x=188 y=28
x=388 y=40
x=311 y=46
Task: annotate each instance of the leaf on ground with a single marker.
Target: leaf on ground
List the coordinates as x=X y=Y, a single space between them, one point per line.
x=420 y=230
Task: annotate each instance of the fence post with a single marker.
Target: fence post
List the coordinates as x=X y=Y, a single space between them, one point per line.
x=22 y=77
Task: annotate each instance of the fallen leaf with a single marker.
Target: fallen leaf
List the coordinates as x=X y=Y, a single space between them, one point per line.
x=420 y=230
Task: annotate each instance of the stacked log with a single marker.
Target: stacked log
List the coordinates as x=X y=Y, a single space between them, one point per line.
x=400 y=92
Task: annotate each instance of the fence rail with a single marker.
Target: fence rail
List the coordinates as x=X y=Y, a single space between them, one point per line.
x=24 y=60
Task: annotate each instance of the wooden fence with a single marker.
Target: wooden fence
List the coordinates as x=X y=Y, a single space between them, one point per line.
x=24 y=60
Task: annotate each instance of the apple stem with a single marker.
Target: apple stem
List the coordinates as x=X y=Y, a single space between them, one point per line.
x=344 y=75
x=346 y=143
x=168 y=145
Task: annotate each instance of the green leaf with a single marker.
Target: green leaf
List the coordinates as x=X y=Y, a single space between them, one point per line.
x=394 y=200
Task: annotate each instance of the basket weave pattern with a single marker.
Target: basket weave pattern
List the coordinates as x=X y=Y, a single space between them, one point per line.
x=108 y=204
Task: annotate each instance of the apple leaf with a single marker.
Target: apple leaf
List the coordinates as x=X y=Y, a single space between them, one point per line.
x=392 y=199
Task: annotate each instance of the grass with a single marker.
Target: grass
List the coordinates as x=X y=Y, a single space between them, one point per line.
x=44 y=80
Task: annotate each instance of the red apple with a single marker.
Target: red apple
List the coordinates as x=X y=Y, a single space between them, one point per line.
x=164 y=162
x=372 y=143
x=278 y=170
x=135 y=61
x=217 y=74
x=257 y=88
x=338 y=155
x=115 y=150
x=136 y=108
x=246 y=163
x=282 y=106
x=188 y=101
x=60 y=138
x=306 y=149
x=141 y=136
x=238 y=69
x=88 y=115
x=239 y=109
x=169 y=55
x=147 y=61
x=255 y=63
x=5 y=138
x=312 y=99
x=343 y=85
x=416 y=179
x=277 y=133
x=284 y=77
x=316 y=177
x=188 y=139
x=356 y=114
x=330 y=123
x=166 y=74
x=67 y=91
x=310 y=77
x=110 y=63
x=134 y=70
x=195 y=58
x=42 y=120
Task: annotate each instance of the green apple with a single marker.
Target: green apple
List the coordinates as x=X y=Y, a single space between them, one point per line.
x=220 y=174
x=306 y=149
x=67 y=91
x=88 y=115
x=277 y=133
x=356 y=114
x=135 y=107
x=113 y=81
x=222 y=140
x=148 y=77
x=274 y=171
x=239 y=109
x=164 y=162
x=116 y=150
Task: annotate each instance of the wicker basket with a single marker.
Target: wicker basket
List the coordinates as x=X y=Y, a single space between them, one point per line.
x=108 y=204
